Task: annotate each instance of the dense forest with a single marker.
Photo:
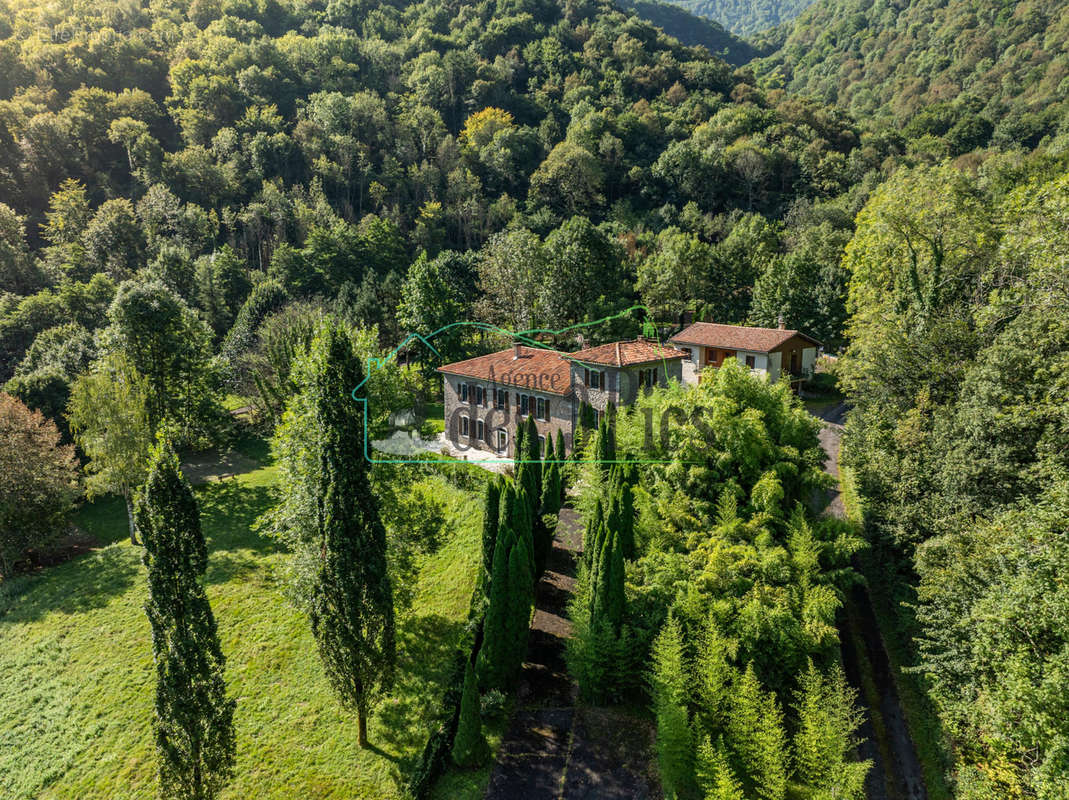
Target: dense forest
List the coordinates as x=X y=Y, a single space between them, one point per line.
x=746 y=17
x=958 y=75
x=213 y=213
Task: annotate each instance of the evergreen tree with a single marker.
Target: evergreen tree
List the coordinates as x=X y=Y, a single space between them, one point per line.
x=491 y=518
x=529 y=478
x=352 y=600
x=605 y=444
x=623 y=478
x=668 y=681
x=194 y=722
x=586 y=425
x=521 y=601
x=492 y=666
x=516 y=513
x=551 y=482
x=469 y=745
x=756 y=737
x=592 y=533
x=562 y=456
x=607 y=603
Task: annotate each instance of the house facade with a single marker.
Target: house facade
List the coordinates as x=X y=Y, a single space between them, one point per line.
x=488 y=397
x=772 y=352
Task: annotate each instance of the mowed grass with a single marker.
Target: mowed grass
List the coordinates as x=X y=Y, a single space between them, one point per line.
x=77 y=681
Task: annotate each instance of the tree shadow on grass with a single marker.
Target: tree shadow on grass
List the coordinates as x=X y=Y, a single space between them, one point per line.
x=228 y=512
x=425 y=648
x=82 y=584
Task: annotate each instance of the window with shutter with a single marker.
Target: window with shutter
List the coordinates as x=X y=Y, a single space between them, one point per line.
x=546 y=417
x=480 y=431
x=464 y=426
x=541 y=408
x=463 y=389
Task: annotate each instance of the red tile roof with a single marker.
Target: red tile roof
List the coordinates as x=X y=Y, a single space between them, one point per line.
x=547 y=371
x=736 y=337
x=625 y=354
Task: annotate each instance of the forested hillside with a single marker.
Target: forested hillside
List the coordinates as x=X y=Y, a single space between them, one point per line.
x=677 y=21
x=746 y=17
x=213 y=148
x=969 y=71
x=957 y=365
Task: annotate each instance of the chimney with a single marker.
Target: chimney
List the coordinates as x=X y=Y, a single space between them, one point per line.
x=782 y=324
x=515 y=350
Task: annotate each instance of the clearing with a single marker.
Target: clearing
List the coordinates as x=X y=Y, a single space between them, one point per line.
x=77 y=681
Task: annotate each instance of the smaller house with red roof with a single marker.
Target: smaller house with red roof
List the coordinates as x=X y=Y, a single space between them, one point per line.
x=773 y=352
x=487 y=397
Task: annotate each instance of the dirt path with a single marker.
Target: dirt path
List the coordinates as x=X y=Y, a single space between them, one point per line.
x=554 y=750
x=896 y=772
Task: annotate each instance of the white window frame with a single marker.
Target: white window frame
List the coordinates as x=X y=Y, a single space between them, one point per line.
x=462 y=392
x=502 y=439
x=465 y=426
x=540 y=408
x=480 y=431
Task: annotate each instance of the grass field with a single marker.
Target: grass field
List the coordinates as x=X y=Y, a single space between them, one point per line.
x=76 y=675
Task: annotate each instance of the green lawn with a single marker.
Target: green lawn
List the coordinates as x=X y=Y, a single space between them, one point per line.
x=76 y=675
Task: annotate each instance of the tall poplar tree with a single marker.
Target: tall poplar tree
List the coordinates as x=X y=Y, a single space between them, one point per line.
x=352 y=600
x=194 y=722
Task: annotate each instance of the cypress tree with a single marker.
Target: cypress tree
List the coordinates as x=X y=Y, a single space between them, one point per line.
x=592 y=534
x=493 y=658
x=529 y=476
x=585 y=426
x=194 y=720
x=607 y=581
x=469 y=745
x=521 y=601
x=562 y=457
x=491 y=518
x=605 y=451
x=626 y=516
x=352 y=600
x=551 y=482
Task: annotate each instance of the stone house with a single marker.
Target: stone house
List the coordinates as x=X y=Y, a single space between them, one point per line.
x=487 y=397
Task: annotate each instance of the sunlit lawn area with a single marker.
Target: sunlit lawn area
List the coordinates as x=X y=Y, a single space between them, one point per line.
x=76 y=676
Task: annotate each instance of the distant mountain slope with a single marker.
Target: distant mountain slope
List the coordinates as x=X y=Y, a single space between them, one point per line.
x=975 y=64
x=746 y=17
x=692 y=30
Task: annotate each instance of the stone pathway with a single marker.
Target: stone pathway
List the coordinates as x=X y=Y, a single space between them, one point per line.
x=896 y=771
x=554 y=749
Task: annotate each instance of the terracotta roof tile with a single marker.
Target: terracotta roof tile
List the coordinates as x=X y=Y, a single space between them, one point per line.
x=735 y=337
x=625 y=354
x=545 y=370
